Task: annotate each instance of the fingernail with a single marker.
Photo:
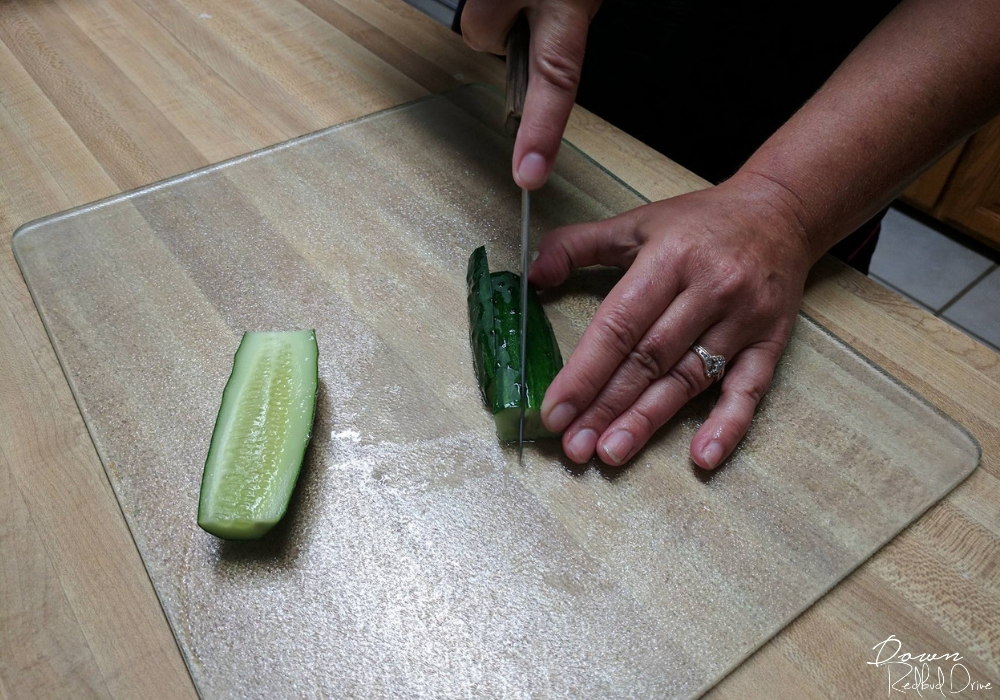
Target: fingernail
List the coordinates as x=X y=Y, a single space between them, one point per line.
x=532 y=171
x=712 y=454
x=581 y=446
x=619 y=446
x=560 y=416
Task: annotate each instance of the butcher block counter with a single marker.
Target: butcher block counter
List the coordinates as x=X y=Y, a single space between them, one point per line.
x=97 y=98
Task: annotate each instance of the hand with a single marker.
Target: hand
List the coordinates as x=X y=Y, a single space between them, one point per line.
x=725 y=268
x=558 y=39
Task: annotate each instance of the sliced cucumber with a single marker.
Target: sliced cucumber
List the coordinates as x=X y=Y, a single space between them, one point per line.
x=507 y=339
x=502 y=341
x=260 y=434
x=481 y=322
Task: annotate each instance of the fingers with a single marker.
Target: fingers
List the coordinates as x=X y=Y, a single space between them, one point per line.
x=621 y=321
x=654 y=357
x=742 y=390
x=616 y=427
x=558 y=40
x=612 y=242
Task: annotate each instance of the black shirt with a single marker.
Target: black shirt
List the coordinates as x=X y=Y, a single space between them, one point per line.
x=707 y=82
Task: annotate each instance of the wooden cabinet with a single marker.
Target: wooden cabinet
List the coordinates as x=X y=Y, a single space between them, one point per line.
x=963 y=188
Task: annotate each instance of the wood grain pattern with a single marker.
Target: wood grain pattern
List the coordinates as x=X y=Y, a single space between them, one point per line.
x=70 y=136
x=56 y=659
x=926 y=191
x=971 y=200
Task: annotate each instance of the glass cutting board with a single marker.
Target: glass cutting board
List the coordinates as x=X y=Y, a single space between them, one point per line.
x=418 y=558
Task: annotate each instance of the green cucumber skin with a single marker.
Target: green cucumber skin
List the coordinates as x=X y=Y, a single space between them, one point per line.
x=543 y=359
x=501 y=388
x=481 y=322
x=507 y=334
x=252 y=530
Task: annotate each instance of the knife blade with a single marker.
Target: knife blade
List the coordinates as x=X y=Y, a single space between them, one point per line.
x=525 y=262
x=518 y=41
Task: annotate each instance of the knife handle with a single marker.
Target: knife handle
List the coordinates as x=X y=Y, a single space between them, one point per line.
x=518 y=42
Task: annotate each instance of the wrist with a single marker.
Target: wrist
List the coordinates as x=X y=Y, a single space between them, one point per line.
x=780 y=210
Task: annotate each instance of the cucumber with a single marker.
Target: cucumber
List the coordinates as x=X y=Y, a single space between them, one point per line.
x=480 y=319
x=260 y=435
x=502 y=342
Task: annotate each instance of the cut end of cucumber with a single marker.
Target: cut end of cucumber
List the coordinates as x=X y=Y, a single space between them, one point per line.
x=238 y=529
x=260 y=435
x=508 y=424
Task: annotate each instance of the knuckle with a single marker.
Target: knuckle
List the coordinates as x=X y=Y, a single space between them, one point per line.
x=642 y=424
x=600 y=414
x=731 y=280
x=576 y=387
x=556 y=258
x=768 y=352
x=605 y=408
x=752 y=393
x=588 y=387
x=558 y=69
x=628 y=233
x=619 y=335
x=689 y=377
x=646 y=363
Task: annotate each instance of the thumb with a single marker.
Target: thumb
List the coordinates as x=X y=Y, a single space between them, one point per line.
x=613 y=242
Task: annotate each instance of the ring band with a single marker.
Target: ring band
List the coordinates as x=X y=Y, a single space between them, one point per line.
x=715 y=365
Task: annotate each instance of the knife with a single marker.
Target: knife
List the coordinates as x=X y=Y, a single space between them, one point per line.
x=525 y=261
x=518 y=41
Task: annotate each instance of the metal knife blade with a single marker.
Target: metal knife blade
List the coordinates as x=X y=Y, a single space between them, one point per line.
x=525 y=262
x=518 y=42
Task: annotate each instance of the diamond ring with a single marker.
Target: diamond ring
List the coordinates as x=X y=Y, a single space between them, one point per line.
x=715 y=365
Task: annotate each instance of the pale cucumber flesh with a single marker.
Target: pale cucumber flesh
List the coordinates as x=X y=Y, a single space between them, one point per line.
x=260 y=434
x=508 y=424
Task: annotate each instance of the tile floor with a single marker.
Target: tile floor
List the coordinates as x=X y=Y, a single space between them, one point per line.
x=947 y=274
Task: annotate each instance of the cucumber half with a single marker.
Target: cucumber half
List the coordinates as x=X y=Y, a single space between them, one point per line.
x=260 y=435
x=495 y=335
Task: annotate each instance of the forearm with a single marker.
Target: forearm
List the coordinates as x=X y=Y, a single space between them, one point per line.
x=927 y=76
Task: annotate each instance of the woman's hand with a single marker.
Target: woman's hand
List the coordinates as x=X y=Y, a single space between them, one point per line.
x=558 y=38
x=724 y=268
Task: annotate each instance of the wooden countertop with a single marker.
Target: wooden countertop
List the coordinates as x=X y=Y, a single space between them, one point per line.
x=104 y=96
